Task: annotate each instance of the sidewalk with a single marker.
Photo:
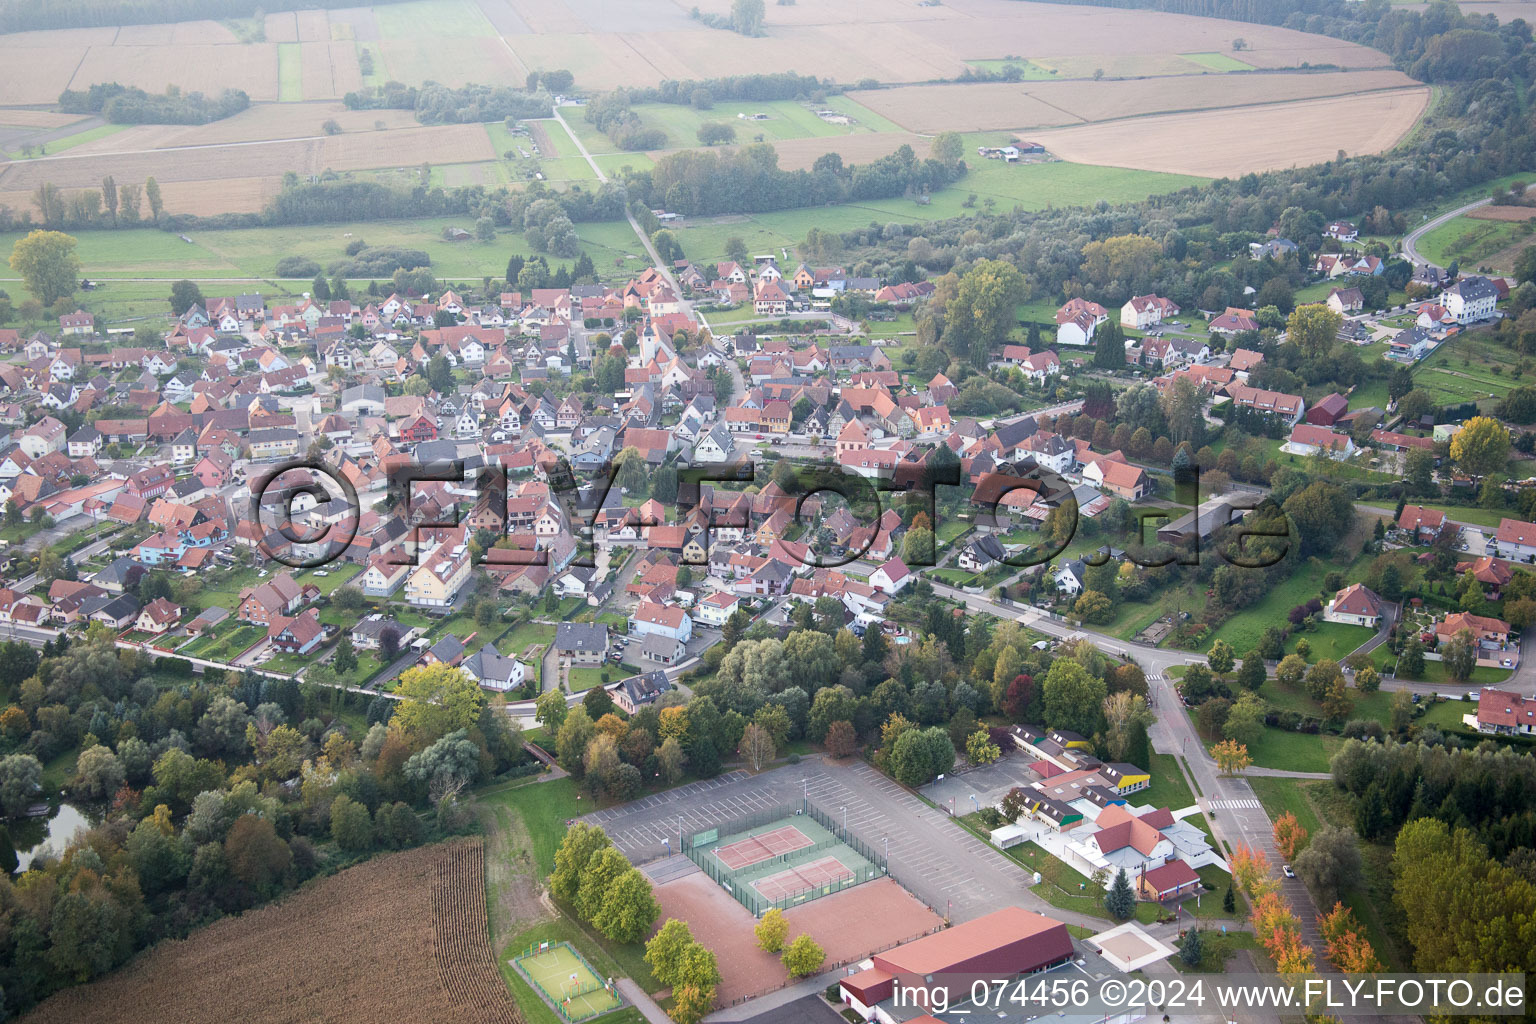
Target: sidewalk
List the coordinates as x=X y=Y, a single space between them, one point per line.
x=642 y=1002
x=772 y=1000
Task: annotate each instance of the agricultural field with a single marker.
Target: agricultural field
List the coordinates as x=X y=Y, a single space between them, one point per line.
x=1253 y=139
x=1004 y=105
x=401 y=935
x=1469 y=368
x=197 y=181
x=290 y=80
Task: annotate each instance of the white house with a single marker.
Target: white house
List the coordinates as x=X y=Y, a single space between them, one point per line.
x=663 y=620
x=1069 y=577
x=1309 y=439
x=1144 y=311
x=1515 y=540
x=715 y=446
x=891 y=577
x=716 y=608
x=1355 y=605
x=1471 y=300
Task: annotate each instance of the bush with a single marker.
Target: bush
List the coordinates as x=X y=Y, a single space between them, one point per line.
x=297 y=266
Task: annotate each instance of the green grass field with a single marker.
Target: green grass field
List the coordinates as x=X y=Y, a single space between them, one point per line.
x=1030 y=71
x=1169 y=788
x=1217 y=61
x=565 y=980
x=438 y=19
x=787 y=119
x=1295 y=751
x=1244 y=629
x=69 y=142
x=245 y=259
x=1473 y=241
x=290 y=74
x=1030 y=186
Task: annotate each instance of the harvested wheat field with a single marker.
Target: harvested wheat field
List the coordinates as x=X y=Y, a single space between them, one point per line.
x=329 y=69
x=1002 y=106
x=314 y=26
x=1505 y=213
x=995 y=28
x=1227 y=143
x=264 y=122
x=195 y=67
x=18 y=118
x=37 y=75
x=400 y=938
x=800 y=154
x=282 y=27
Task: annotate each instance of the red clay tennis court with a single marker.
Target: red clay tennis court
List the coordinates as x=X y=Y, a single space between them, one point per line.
x=754 y=849
x=798 y=879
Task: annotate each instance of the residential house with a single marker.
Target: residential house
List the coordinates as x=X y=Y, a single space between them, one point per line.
x=1355 y=605
x=650 y=618
x=1514 y=540
x=1310 y=439
x=1143 y=311
x=1471 y=299
x=635 y=692
x=581 y=643
x=1423 y=525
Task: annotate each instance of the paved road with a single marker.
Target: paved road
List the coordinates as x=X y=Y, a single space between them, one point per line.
x=664 y=267
x=1411 y=240
x=1234 y=811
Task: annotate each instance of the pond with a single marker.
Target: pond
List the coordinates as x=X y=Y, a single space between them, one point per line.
x=36 y=836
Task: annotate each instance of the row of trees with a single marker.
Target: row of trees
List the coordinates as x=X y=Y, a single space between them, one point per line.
x=595 y=879
x=23 y=15
x=122 y=104
x=435 y=103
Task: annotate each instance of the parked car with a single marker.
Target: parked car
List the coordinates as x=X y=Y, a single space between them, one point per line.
x=1286 y=869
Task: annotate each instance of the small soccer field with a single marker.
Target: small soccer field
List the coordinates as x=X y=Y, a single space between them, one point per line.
x=566 y=981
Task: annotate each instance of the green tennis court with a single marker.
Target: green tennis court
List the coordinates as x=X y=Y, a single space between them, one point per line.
x=567 y=982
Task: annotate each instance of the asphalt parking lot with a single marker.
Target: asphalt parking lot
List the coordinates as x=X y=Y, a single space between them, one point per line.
x=988 y=784
x=949 y=869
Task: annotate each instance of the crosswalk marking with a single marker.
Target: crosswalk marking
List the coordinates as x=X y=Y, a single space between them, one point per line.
x=1233 y=805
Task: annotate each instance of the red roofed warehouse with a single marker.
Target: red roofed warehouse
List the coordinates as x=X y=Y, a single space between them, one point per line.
x=1003 y=944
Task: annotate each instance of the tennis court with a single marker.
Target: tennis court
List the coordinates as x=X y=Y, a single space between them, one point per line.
x=826 y=871
x=754 y=849
x=566 y=981
x=783 y=856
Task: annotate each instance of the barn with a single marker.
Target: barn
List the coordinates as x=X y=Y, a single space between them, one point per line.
x=1004 y=944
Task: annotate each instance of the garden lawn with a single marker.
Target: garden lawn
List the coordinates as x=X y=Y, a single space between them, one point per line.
x=585 y=678
x=1244 y=630
x=1216 y=948
x=1295 y=751
x=1169 y=788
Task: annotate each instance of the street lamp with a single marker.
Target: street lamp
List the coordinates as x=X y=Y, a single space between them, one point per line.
x=974 y=802
x=845 y=821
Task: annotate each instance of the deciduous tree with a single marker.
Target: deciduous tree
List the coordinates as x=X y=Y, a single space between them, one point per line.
x=48 y=265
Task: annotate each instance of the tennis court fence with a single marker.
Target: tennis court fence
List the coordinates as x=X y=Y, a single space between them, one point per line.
x=699 y=847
